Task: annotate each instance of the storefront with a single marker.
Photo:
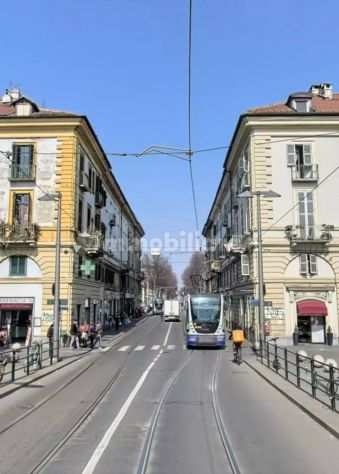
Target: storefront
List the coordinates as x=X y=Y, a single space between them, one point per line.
x=15 y=316
x=312 y=321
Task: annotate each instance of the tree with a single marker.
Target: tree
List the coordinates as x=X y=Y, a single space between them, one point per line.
x=192 y=275
x=159 y=276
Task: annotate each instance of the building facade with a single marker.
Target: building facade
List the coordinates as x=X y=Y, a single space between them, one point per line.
x=42 y=153
x=291 y=148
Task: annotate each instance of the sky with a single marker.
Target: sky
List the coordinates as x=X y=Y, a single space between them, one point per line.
x=123 y=63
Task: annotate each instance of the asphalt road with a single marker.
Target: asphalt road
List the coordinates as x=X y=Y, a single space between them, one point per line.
x=157 y=416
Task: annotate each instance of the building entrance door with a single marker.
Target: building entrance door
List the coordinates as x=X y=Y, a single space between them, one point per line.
x=304 y=327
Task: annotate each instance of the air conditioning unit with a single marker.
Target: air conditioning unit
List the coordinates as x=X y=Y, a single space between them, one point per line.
x=84 y=181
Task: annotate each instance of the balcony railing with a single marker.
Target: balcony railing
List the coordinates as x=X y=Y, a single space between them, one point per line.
x=319 y=234
x=22 y=173
x=305 y=173
x=93 y=244
x=18 y=234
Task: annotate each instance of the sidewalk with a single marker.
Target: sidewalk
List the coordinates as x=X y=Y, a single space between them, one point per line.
x=322 y=414
x=68 y=356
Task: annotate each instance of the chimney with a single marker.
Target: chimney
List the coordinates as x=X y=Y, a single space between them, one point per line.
x=324 y=90
x=11 y=95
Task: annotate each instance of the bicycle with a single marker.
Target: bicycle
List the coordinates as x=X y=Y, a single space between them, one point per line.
x=237 y=353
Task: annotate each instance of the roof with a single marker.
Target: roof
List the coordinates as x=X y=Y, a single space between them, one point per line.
x=318 y=105
x=7 y=111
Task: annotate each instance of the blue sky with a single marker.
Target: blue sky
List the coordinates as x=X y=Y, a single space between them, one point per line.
x=124 y=64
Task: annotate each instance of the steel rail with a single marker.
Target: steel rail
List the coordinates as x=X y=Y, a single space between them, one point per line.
x=225 y=439
x=69 y=382
x=145 y=455
x=49 y=456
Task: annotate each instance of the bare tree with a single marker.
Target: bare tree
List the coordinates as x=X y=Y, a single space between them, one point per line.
x=159 y=276
x=192 y=275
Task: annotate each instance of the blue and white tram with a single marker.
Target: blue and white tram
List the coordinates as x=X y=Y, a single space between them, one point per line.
x=204 y=324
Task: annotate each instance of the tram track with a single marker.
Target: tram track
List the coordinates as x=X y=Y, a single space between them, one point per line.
x=224 y=436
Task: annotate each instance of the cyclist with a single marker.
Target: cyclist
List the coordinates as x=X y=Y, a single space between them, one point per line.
x=238 y=337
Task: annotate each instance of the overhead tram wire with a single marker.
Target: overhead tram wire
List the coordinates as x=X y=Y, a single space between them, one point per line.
x=195 y=207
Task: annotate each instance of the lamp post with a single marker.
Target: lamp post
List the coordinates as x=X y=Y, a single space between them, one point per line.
x=56 y=197
x=270 y=195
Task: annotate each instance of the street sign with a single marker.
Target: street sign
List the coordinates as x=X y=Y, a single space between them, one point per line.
x=88 y=267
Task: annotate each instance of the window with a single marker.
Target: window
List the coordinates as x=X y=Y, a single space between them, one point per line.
x=245 y=265
x=18 y=265
x=89 y=219
x=301 y=106
x=80 y=211
x=21 y=208
x=79 y=266
x=306 y=217
x=308 y=264
x=22 y=164
x=300 y=157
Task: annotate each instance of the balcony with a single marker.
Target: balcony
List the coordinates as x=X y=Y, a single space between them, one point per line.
x=311 y=234
x=84 y=181
x=93 y=244
x=236 y=244
x=22 y=172
x=305 y=173
x=18 y=234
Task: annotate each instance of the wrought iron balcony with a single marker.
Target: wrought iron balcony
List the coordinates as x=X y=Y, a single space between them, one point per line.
x=93 y=244
x=18 y=234
x=305 y=173
x=22 y=173
x=236 y=244
x=309 y=234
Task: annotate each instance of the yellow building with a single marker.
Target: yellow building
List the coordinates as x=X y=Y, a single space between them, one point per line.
x=45 y=151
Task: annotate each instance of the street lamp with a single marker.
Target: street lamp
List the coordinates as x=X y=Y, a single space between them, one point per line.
x=56 y=197
x=270 y=195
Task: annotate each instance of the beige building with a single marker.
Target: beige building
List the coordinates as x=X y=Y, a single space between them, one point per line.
x=49 y=151
x=291 y=148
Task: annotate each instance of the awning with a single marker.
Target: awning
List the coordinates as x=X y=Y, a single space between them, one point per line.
x=16 y=306
x=311 y=308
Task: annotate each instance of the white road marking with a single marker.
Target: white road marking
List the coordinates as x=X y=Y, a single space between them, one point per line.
x=171 y=347
x=124 y=348
x=100 y=449
x=167 y=335
x=155 y=348
x=139 y=348
x=105 y=349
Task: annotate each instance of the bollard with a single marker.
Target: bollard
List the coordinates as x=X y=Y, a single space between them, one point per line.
x=313 y=381
x=27 y=360
x=286 y=363
x=297 y=363
x=332 y=388
x=13 y=366
x=50 y=348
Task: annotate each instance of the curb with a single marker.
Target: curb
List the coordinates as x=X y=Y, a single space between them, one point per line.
x=316 y=418
x=19 y=385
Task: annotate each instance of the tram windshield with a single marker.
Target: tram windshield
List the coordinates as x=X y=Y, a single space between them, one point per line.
x=205 y=309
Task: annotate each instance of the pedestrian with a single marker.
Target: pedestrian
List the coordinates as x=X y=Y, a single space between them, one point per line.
x=116 y=320
x=99 y=331
x=50 y=334
x=28 y=341
x=92 y=336
x=74 y=331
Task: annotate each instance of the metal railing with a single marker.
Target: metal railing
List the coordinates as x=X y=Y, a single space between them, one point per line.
x=305 y=173
x=320 y=233
x=314 y=377
x=18 y=233
x=16 y=364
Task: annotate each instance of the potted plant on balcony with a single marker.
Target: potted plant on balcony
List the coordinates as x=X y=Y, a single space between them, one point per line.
x=329 y=336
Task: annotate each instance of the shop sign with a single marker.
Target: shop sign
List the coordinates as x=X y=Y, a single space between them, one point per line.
x=62 y=302
x=16 y=300
x=273 y=312
x=46 y=316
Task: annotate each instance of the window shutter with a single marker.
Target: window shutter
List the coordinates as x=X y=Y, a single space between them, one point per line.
x=303 y=264
x=290 y=155
x=245 y=265
x=307 y=155
x=313 y=265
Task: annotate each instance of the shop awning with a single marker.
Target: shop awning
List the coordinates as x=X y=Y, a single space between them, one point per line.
x=15 y=306
x=311 y=308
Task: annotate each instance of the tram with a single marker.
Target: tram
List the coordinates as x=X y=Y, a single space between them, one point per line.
x=204 y=321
